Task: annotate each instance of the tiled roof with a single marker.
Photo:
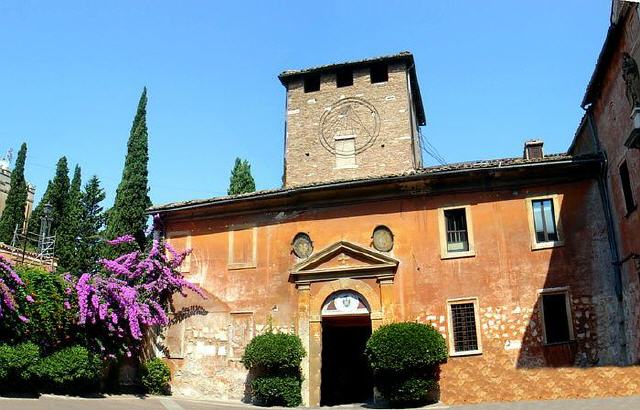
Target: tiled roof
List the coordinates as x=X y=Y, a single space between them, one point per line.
x=435 y=170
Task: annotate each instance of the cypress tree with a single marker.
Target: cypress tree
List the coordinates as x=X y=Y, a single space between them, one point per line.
x=16 y=203
x=91 y=224
x=58 y=195
x=68 y=233
x=127 y=216
x=241 y=181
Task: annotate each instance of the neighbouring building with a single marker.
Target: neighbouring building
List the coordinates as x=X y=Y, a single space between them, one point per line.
x=513 y=260
x=5 y=183
x=611 y=127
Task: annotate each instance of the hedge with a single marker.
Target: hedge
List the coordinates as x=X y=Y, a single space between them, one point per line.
x=156 y=376
x=405 y=360
x=73 y=369
x=15 y=362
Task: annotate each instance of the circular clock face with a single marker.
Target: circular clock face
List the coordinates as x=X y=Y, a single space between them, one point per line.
x=382 y=239
x=349 y=118
x=302 y=245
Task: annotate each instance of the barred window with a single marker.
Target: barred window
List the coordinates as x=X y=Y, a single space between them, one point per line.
x=457 y=235
x=464 y=329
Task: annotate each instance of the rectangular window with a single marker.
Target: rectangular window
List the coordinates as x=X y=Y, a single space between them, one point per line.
x=345 y=151
x=344 y=77
x=311 y=83
x=379 y=73
x=625 y=181
x=464 y=328
x=544 y=220
x=557 y=322
x=457 y=236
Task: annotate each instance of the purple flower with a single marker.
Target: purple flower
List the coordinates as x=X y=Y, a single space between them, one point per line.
x=29 y=299
x=122 y=239
x=23 y=319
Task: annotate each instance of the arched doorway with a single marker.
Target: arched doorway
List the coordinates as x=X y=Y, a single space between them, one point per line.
x=346 y=327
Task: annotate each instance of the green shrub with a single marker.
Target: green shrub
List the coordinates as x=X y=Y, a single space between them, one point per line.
x=404 y=358
x=156 y=376
x=50 y=324
x=15 y=361
x=274 y=351
x=277 y=391
x=72 y=369
x=274 y=361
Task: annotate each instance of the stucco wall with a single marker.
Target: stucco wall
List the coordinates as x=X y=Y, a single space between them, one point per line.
x=505 y=275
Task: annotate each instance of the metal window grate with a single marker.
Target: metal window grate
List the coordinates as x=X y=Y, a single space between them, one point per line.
x=463 y=316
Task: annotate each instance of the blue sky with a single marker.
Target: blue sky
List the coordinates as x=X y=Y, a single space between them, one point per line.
x=492 y=74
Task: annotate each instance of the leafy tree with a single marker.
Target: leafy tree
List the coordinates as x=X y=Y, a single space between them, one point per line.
x=16 y=199
x=68 y=233
x=132 y=197
x=241 y=181
x=91 y=224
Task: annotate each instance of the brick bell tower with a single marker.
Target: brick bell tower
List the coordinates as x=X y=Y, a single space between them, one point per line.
x=352 y=120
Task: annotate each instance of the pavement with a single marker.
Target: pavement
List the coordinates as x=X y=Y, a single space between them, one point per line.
x=51 y=402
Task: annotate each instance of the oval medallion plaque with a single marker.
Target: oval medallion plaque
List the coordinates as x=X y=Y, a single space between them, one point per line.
x=302 y=245
x=382 y=238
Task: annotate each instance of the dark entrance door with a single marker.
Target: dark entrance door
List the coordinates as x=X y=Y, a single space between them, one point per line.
x=346 y=377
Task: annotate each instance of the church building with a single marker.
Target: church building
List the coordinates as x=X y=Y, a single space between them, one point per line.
x=510 y=259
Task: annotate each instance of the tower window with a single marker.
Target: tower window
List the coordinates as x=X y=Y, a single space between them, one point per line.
x=344 y=77
x=557 y=317
x=626 y=187
x=544 y=220
x=379 y=73
x=311 y=83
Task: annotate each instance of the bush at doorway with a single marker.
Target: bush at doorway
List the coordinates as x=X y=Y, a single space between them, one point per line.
x=405 y=359
x=273 y=360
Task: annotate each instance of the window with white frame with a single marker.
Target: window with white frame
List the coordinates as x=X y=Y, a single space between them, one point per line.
x=456 y=232
x=464 y=327
x=544 y=222
x=555 y=308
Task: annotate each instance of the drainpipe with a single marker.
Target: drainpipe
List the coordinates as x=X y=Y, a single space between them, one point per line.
x=603 y=188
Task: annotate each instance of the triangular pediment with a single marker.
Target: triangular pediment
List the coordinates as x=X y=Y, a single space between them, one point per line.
x=344 y=259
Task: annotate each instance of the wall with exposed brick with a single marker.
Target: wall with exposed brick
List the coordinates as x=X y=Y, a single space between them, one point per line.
x=612 y=124
x=308 y=162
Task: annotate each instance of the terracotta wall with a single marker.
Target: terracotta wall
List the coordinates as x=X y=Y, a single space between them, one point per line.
x=505 y=275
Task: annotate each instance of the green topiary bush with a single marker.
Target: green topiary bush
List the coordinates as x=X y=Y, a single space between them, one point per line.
x=274 y=351
x=277 y=391
x=156 y=376
x=15 y=362
x=273 y=360
x=405 y=359
x=73 y=369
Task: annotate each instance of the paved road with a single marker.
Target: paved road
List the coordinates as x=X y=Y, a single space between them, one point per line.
x=48 y=402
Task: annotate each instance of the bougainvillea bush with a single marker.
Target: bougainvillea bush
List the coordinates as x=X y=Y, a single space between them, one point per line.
x=41 y=300
x=130 y=294
x=10 y=286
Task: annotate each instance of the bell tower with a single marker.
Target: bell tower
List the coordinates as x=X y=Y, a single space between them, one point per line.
x=352 y=120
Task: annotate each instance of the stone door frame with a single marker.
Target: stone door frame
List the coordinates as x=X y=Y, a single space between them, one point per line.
x=380 y=299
